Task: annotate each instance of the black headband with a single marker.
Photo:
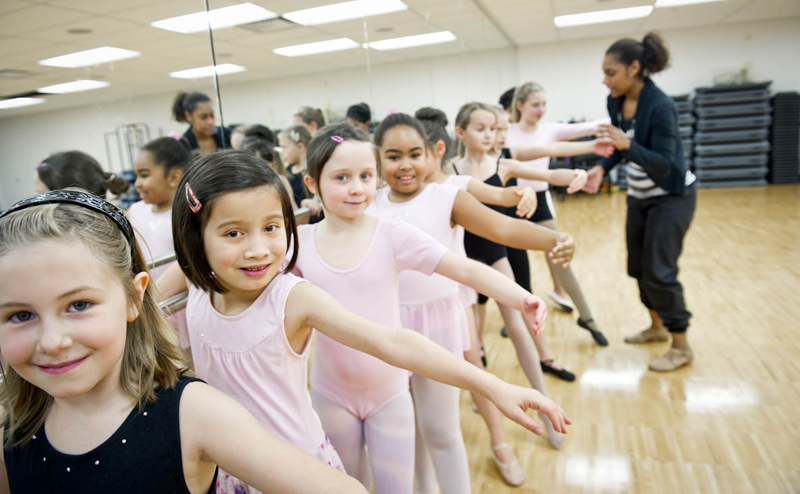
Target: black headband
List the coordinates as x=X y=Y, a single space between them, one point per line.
x=82 y=199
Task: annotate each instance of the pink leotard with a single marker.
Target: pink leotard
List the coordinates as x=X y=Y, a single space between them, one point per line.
x=356 y=381
x=248 y=357
x=430 y=305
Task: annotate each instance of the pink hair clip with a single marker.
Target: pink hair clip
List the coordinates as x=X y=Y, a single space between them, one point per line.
x=175 y=136
x=195 y=207
x=392 y=111
x=41 y=165
x=337 y=139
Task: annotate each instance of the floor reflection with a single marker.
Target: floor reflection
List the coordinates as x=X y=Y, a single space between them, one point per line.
x=610 y=472
x=612 y=379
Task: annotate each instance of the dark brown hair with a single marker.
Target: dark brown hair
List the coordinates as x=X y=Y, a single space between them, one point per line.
x=210 y=177
x=186 y=103
x=322 y=146
x=399 y=119
x=651 y=53
x=77 y=169
x=169 y=153
x=435 y=122
x=308 y=115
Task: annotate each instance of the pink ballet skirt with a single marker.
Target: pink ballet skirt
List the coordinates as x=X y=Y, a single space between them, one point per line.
x=469 y=296
x=442 y=321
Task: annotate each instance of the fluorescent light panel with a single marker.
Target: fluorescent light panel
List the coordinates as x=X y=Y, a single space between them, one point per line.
x=94 y=56
x=600 y=16
x=411 y=41
x=344 y=11
x=677 y=3
x=199 y=72
x=17 y=102
x=234 y=15
x=314 y=48
x=73 y=87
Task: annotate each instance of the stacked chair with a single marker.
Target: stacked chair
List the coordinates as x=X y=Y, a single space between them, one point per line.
x=785 y=139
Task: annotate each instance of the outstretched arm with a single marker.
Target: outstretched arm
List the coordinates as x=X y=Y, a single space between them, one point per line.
x=519 y=234
x=561 y=149
x=522 y=197
x=574 y=179
x=309 y=306
x=217 y=430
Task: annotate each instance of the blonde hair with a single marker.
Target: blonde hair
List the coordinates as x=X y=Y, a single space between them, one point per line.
x=151 y=359
x=521 y=96
x=465 y=114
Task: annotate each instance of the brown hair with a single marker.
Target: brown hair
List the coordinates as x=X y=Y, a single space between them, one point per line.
x=465 y=114
x=151 y=360
x=651 y=53
x=78 y=169
x=308 y=115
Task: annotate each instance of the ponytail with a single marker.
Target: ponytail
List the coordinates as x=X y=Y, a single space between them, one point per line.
x=651 y=53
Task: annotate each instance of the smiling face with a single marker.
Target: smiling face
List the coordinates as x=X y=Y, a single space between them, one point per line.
x=63 y=324
x=348 y=180
x=245 y=239
x=403 y=161
x=534 y=108
x=153 y=183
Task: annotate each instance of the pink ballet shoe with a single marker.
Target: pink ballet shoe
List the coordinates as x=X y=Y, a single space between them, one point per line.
x=512 y=472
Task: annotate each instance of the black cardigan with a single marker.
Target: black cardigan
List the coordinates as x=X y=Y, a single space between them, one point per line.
x=223 y=138
x=656 y=145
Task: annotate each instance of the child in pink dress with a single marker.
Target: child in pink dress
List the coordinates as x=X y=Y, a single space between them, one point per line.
x=250 y=322
x=431 y=305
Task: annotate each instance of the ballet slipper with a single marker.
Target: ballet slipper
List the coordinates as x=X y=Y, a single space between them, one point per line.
x=512 y=472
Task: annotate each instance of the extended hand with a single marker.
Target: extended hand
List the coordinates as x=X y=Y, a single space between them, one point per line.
x=564 y=250
x=614 y=136
x=534 y=311
x=578 y=182
x=527 y=202
x=514 y=401
x=603 y=148
x=595 y=178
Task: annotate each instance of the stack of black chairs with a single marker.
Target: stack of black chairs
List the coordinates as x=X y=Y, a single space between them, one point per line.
x=686 y=123
x=731 y=143
x=784 y=165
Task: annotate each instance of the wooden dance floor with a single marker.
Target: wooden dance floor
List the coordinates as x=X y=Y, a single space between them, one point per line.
x=730 y=423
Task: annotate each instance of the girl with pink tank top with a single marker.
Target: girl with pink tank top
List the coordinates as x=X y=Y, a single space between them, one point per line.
x=431 y=305
x=250 y=321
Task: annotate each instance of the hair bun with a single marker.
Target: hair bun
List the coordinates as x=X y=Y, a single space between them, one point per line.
x=432 y=115
x=655 y=56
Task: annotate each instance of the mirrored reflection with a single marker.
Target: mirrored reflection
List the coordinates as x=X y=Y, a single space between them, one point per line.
x=703 y=396
x=101 y=77
x=612 y=472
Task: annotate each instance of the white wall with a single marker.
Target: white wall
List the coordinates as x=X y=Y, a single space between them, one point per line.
x=570 y=71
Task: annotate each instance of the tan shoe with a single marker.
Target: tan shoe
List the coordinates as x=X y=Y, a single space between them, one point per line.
x=512 y=472
x=672 y=360
x=648 y=336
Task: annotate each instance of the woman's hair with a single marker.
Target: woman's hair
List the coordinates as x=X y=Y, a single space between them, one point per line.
x=521 y=96
x=465 y=114
x=651 y=53
x=297 y=134
x=260 y=131
x=322 y=146
x=308 y=115
x=507 y=99
x=360 y=113
x=169 y=153
x=435 y=123
x=151 y=360
x=186 y=103
x=77 y=169
x=399 y=119
x=208 y=178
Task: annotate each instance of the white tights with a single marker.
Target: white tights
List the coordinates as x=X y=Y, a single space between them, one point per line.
x=388 y=436
x=439 y=435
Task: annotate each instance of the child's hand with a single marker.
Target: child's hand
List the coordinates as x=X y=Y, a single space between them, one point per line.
x=578 y=182
x=514 y=401
x=564 y=250
x=527 y=202
x=534 y=311
x=595 y=179
x=312 y=204
x=603 y=148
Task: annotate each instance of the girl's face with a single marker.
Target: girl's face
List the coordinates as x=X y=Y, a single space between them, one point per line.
x=403 y=160
x=291 y=151
x=534 y=108
x=202 y=119
x=502 y=132
x=63 y=323
x=153 y=183
x=481 y=131
x=348 y=180
x=618 y=76
x=245 y=238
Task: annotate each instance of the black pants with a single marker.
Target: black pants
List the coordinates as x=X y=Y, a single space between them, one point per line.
x=655 y=231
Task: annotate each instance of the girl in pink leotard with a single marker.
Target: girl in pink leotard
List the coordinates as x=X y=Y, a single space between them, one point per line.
x=250 y=322
x=431 y=305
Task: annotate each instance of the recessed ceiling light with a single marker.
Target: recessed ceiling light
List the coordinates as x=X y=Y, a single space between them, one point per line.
x=94 y=56
x=343 y=11
x=234 y=15
x=200 y=72
x=17 y=102
x=73 y=87
x=602 y=16
x=411 y=41
x=676 y=3
x=314 y=48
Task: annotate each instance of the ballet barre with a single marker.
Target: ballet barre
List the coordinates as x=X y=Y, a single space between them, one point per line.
x=177 y=302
